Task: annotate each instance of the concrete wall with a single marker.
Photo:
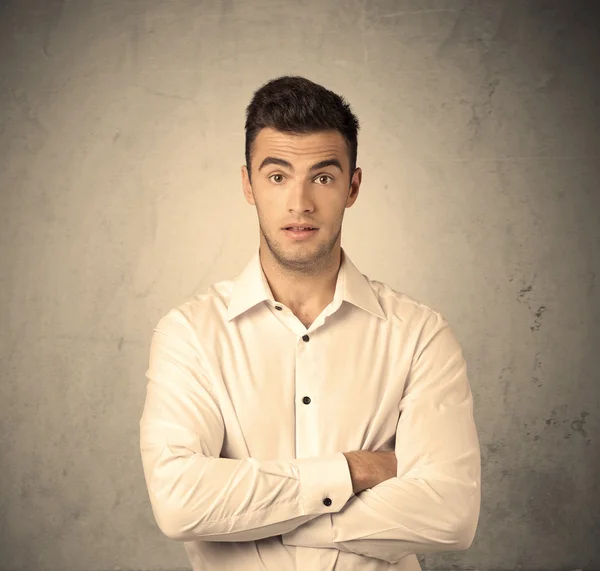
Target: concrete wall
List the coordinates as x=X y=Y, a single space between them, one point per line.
x=121 y=140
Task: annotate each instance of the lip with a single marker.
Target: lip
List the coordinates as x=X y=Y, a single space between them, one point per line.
x=302 y=234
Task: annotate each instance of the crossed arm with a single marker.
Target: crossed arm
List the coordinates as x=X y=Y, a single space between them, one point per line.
x=431 y=504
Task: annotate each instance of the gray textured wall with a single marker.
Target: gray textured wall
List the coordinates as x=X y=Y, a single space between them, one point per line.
x=121 y=141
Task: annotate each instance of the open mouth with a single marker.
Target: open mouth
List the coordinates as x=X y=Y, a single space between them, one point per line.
x=300 y=233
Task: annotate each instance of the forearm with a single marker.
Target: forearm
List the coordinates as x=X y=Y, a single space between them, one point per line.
x=222 y=499
x=371 y=526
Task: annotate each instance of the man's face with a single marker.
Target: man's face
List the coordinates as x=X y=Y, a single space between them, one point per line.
x=297 y=193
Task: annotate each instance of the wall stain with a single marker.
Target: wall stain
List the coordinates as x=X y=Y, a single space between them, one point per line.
x=554 y=420
x=481 y=108
x=541 y=309
x=495 y=446
x=488 y=452
x=577 y=425
x=523 y=291
x=538 y=314
x=536 y=365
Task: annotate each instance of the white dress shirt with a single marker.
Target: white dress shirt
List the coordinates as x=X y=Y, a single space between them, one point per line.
x=248 y=412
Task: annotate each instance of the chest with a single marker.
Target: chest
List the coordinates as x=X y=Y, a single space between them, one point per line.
x=283 y=397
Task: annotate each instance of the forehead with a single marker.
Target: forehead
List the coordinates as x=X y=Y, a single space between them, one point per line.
x=277 y=143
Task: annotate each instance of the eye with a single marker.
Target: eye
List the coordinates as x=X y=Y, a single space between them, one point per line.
x=275 y=175
x=324 y=176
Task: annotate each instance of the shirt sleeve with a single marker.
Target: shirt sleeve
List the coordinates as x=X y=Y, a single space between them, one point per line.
x=433 y=503
x=193 y=492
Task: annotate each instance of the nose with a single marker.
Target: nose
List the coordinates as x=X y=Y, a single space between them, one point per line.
x=301 y=198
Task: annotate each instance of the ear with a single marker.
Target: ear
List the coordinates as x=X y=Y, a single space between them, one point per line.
x=354 y=187
x=247 y=187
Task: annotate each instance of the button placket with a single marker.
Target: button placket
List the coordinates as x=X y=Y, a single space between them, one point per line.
x=307 y=441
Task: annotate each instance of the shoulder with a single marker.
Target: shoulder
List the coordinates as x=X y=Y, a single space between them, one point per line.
x=403 y=306
x=203 y=309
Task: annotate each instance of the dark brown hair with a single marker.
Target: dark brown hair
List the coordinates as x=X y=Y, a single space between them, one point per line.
x=294 y=104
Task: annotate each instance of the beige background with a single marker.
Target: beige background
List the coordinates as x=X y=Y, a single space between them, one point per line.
x=121 y=141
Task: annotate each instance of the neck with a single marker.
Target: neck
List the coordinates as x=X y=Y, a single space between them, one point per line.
x=310 y=289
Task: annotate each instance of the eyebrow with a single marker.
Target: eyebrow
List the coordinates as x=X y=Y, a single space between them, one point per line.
x=286 y=164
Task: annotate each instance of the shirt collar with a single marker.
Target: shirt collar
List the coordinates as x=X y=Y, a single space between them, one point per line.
x=250 y=287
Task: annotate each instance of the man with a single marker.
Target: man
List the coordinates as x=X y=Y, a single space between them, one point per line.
x=302 y=416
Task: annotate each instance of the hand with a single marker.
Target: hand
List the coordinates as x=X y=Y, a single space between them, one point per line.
x=367 y=469
x=388 y=465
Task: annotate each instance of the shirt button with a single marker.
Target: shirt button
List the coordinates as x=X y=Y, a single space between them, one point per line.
x=305 y=338
x=327 y=501
x=306 y=400
x=277 y=307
